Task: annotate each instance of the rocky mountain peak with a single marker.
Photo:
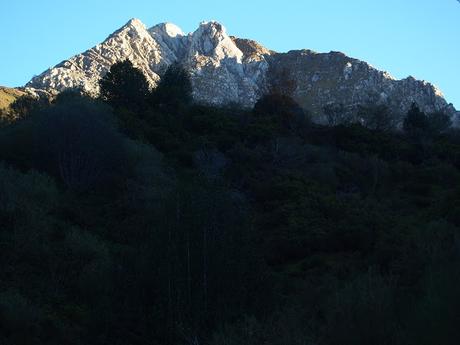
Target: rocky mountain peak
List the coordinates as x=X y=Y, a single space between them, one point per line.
x=171 y=38
x=226 y=69
x=167 y=29
x=133 y=29
x=134 y=23
x=211 y=39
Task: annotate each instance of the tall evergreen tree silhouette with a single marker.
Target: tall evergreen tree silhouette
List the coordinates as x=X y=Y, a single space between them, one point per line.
x=124 y=86
x=174 y=89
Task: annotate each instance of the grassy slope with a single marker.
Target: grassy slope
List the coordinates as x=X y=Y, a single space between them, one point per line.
x=8 y=96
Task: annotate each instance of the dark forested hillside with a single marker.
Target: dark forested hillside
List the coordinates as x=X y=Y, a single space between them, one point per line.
x=143 y=218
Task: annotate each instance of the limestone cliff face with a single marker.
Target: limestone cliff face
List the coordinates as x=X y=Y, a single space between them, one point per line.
x=320 y=79
x=83 y=71
x=220 y=71
x=225 y=69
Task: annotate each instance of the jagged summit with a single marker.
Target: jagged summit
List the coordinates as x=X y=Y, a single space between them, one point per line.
x=226 y=69
x=211 y=39
x=168 y=29
x=134 y=27
x=135 y=23
x=171 y=38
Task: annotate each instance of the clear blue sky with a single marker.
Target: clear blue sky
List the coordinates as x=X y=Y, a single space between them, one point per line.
x=404 y=37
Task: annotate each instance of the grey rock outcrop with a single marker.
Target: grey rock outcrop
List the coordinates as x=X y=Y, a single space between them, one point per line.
x=225 y=69
x=319 y=79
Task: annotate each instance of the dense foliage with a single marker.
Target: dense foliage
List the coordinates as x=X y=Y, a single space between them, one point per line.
x=143 y=218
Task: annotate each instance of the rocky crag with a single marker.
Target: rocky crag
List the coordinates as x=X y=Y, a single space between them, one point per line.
x=225 y=69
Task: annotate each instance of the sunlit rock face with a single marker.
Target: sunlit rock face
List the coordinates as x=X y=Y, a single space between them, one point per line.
x=219 y=70
x=230 y=70
x=132 y=42
x=321 y=79
x=172 y=40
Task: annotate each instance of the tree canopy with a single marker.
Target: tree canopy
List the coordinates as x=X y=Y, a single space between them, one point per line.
x=124 y=85
x=182 y=223
x=174 y=89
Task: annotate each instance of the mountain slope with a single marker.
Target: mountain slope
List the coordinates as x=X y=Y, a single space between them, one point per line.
x=225 y=69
